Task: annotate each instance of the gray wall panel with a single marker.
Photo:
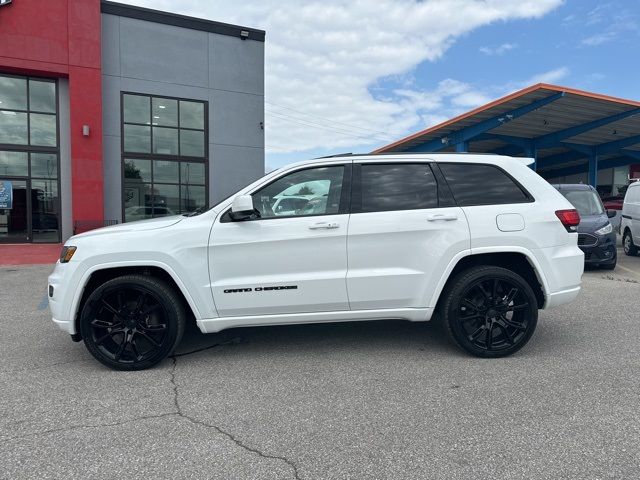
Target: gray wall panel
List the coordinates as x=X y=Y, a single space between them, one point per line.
x=111 y=89
x=236 y=65
x=111 y=166
x=110 y=45
x=232 y=168
x=66 y=205
x=235 y=118
x=163 y=53
x=157 y=59
x=149 y=87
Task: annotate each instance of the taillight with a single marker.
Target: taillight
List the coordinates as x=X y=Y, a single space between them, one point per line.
x=569 y=218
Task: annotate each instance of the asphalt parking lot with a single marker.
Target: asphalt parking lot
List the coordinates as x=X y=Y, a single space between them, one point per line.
x=363 y=400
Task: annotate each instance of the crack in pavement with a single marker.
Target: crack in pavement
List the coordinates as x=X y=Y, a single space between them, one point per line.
x=96 y=425
x=230 y=436
x=179 y=413
x=233 y=341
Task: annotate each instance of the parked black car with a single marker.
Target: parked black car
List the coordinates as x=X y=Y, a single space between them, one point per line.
x=596 y=236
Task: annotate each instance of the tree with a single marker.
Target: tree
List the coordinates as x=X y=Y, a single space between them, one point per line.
x=305 y=190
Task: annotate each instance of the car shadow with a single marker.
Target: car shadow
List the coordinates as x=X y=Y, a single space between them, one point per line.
x=364 y=335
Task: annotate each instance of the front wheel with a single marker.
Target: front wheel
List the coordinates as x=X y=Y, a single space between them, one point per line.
x=490 y=311
x=132 y=322
x=628 y=245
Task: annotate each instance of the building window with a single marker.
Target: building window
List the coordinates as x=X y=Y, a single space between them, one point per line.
x=165 y=155
x=29 y=159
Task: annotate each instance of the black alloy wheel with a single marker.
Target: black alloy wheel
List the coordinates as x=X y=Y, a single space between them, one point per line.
x=628 y=246
x=490 y=311
x=132 y=322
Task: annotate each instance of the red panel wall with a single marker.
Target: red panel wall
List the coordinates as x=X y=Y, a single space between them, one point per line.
x=61 y=38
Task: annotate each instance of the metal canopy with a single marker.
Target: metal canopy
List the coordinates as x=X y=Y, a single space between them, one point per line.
x=566 y=130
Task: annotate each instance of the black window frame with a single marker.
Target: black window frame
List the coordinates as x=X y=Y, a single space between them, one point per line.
x=443 y=195
x=179 y=159
x=528 y=197
x=30 y=149
x=345 y=195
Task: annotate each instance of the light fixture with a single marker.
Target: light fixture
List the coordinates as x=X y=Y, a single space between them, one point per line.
x=244 y=34
x=161 y=106
x=156 y=116
x=86 y=130
x=4 y=112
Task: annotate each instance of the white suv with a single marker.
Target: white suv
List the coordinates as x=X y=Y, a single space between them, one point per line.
x=481 y=240
x=630 y=222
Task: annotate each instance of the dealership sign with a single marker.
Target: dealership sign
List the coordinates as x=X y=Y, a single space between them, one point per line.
x=6 y=194
x=5 y=2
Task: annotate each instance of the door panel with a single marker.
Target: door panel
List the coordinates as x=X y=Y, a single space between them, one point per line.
x=403 y=232
x=288 y=256
x=396 y=258
x=288 y=265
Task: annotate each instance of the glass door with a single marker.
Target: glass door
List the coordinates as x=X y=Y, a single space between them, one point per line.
x=14 y=211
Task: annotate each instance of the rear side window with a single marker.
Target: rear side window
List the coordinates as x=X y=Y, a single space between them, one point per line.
x=473 y=184
x=387 y=187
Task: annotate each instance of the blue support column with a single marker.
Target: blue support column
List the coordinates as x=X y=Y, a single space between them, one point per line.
x=531 y=152
x=593 y=170
x=462 y=147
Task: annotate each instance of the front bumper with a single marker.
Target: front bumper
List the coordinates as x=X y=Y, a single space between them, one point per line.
x=603 y=252
x=60 y=299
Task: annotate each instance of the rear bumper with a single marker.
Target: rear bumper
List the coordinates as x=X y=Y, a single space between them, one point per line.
x=560 y=298
x=562 y=267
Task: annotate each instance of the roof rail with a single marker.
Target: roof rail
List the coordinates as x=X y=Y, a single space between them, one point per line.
x=347 y=154
x=392 y=154
x=633 y=179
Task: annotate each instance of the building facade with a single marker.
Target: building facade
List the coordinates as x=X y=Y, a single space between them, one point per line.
x=112 y=113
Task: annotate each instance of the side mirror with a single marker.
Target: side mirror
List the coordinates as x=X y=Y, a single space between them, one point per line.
x=242 y=207
x=611 y=213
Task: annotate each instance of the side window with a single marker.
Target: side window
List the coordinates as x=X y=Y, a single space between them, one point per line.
x=314 y=191
x=473 y=184
x=387 y=187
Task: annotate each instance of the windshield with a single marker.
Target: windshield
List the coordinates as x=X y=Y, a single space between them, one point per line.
x=586 y=202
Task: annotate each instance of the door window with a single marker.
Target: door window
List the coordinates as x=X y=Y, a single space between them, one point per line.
x=387 y=187
x=314 y=191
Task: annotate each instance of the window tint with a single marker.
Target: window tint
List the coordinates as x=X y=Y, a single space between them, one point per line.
x=315 y=191
x=398 y=187
x=481 y=185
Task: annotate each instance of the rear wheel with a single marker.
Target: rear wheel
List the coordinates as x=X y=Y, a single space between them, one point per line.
x=628 y=245
x=132 y=322
x=490 y=311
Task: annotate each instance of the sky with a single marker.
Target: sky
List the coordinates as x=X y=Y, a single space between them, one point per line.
x=354 y=75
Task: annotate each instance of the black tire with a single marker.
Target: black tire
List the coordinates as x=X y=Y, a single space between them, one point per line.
x=489 y=311
x=627 y=244
x=132 y=322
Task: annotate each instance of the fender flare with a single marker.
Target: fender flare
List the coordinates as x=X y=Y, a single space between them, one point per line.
x=482 y=250
x=79 y=292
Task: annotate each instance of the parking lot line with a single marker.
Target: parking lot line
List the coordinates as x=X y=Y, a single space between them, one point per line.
x=635 y=272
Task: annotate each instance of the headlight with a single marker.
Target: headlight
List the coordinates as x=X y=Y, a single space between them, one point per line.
x=604 y=230
x=67 y=253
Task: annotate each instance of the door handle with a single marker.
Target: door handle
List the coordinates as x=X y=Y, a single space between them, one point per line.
x=447 y=217
x=327 y=225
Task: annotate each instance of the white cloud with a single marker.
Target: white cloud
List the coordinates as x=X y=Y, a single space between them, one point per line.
x=550 y=76
x=325 y=58
x=499 y=50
